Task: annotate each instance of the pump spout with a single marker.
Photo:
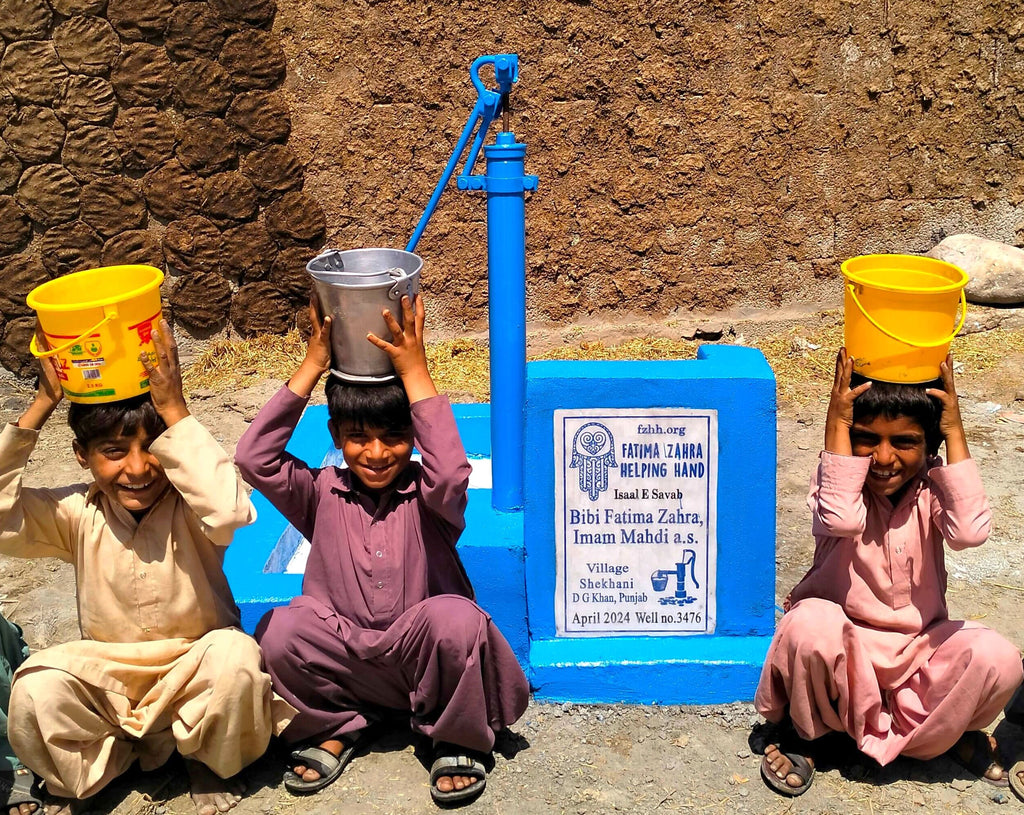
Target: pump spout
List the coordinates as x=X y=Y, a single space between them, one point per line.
x=689 y=560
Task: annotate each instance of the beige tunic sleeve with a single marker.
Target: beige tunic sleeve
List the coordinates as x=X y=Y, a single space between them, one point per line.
x=34 y=522
x=199 y=468
x=161 y=576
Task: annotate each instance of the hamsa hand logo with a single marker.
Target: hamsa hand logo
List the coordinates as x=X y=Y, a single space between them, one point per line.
x=593 y=453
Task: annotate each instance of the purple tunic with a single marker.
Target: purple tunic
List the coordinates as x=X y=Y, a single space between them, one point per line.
x=368 y=563
x=377 y=625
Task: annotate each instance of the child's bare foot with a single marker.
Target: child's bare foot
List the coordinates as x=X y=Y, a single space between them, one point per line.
x=447 y=783
x=210 y=793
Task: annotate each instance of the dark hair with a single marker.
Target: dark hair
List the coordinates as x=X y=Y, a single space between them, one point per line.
x=385 y=405
x=892 y=400
x=123 y=418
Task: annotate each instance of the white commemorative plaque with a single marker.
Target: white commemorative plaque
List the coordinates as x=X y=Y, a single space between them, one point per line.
x=635 y=513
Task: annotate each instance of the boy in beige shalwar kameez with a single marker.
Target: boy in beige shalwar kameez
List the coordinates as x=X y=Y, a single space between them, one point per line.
x=162 y=665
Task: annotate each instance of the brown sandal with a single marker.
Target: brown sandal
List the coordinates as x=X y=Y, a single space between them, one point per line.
x=1016 y=782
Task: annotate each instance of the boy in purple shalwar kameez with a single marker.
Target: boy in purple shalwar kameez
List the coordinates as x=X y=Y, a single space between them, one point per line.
x=386 y=618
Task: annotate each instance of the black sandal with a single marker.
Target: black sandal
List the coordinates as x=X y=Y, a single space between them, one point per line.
x=801 y=767
x=784 y=738
x=19 y=787
x=980 y=758
x=328 y=765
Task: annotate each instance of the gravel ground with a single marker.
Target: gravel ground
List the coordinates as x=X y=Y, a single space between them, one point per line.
x=579 y=759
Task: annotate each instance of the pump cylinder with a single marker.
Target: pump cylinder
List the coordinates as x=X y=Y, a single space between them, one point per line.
x=506 y=186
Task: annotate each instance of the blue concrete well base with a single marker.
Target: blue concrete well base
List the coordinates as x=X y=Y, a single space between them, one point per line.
x=690 y=671
x=738 y=386
x=511 y=558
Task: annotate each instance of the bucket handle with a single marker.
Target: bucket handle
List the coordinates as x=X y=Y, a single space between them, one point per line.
x=944 y=341
x=109 y=314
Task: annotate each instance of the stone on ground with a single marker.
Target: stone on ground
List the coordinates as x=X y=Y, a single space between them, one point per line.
x=996 y=270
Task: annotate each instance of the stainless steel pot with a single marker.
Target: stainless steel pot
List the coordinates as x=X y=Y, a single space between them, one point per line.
x=354 y=286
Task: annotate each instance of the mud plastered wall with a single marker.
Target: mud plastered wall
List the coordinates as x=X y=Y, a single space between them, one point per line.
x=150 y=131
x=692 y=156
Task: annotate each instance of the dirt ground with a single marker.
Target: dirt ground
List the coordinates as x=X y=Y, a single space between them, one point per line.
x=580 y=759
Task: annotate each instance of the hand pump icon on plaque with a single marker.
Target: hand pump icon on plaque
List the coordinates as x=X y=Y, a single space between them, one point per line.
x=660 y=577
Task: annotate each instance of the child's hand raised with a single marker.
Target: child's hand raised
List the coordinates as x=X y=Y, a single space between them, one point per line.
x=406 y=349
x=839 y=418
x=48 y=392
x=318 y=353
x=951 y=424
x=165 y=376
x=318 y=349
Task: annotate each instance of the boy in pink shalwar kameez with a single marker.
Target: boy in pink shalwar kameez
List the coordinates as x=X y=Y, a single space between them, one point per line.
x=386 y=618
x=866 y=646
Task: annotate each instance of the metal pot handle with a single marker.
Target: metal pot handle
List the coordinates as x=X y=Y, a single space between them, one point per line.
x=401 y=285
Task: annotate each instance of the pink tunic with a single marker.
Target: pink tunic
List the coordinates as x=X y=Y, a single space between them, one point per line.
x=867 y=646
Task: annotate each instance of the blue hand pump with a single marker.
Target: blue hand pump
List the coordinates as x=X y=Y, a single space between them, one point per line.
x=505 y=184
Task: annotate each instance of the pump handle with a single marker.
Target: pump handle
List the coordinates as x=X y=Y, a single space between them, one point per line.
x=488 y=103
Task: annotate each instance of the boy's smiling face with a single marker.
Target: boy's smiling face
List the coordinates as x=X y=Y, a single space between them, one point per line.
x=897 y=449
x=124 y=469
x=375 y=455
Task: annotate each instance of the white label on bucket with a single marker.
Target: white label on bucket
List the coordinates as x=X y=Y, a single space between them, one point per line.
x=99 y=362
x=635 y=521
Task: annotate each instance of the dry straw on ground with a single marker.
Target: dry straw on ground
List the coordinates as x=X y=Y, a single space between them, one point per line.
x=803 y=358
x=231 y=364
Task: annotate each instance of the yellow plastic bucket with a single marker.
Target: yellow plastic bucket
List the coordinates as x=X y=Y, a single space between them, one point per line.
x=97 y=322
x=901 y=315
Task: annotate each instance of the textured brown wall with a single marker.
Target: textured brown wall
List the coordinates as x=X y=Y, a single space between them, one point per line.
x=692 y=155
x=150 y=131
x=698 y=156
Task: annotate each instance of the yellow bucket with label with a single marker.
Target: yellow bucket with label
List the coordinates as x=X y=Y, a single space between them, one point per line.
x=901 y=315
x=97 y=322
